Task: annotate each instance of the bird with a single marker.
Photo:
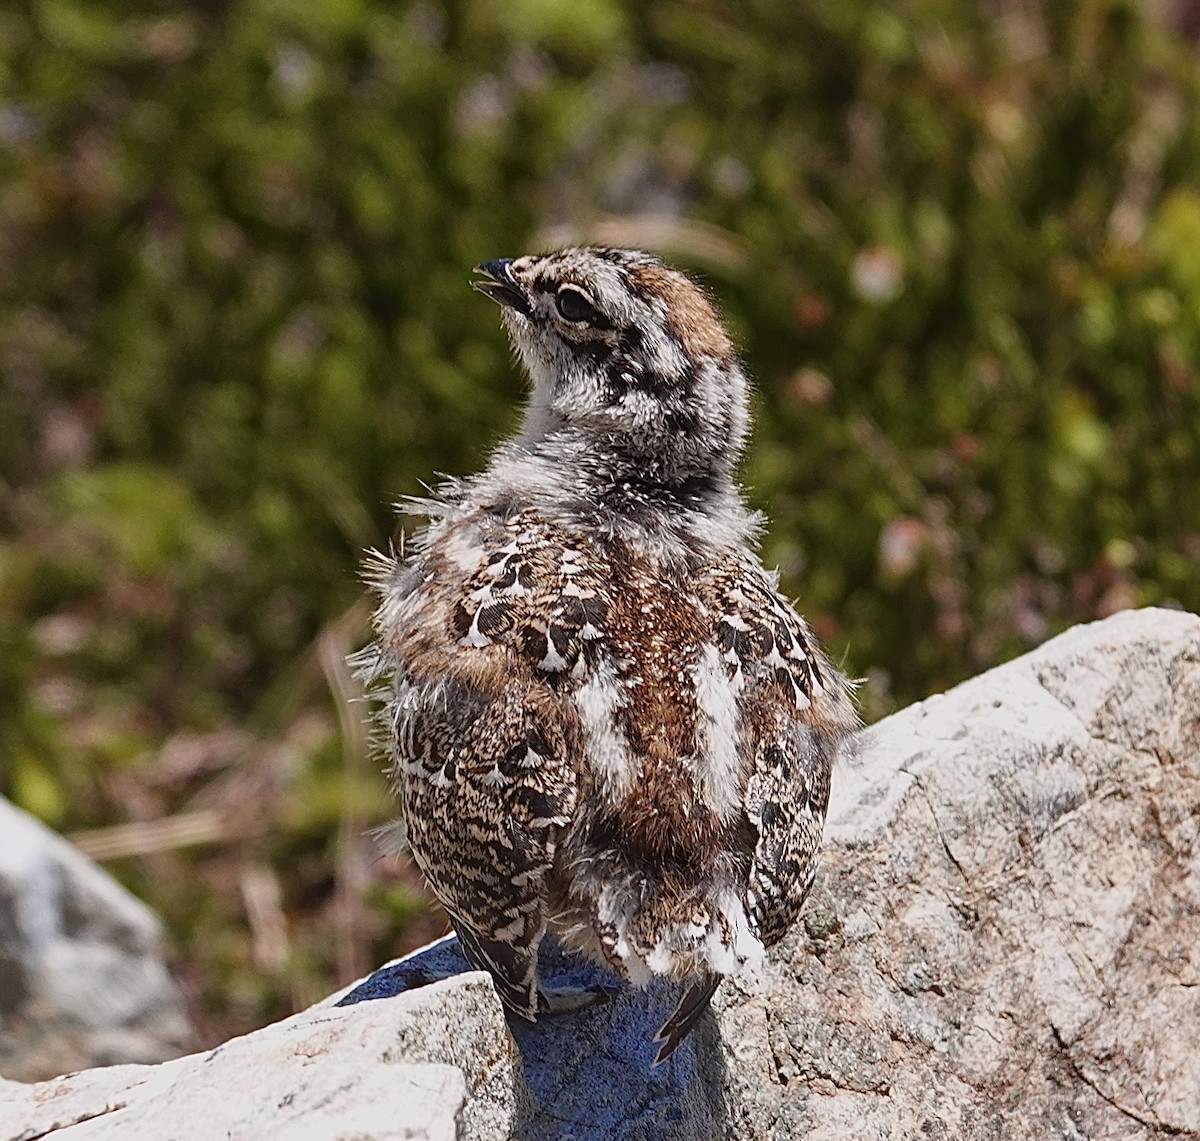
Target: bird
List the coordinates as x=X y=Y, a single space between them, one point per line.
x=602 y=719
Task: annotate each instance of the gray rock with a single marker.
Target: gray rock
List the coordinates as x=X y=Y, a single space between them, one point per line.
x=338 y=1074
x=1003 y=943
x=82 y=977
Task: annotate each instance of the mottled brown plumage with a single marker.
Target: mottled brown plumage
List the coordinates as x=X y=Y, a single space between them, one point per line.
x=604 y=720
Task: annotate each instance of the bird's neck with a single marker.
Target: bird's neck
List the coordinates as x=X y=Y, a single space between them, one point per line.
x=600 y=464
x=588 y=481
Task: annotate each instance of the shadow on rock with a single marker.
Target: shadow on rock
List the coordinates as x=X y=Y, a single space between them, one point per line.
x=589 y=1071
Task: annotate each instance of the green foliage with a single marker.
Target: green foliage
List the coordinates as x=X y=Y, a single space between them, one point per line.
x=959 y=249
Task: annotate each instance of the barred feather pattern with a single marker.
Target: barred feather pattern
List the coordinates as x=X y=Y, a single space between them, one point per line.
x=633 y=757
x=604 y=721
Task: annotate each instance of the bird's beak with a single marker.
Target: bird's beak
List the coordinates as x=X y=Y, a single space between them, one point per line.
x=500 y=286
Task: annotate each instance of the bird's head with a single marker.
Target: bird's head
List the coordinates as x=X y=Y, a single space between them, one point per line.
x=626 y=349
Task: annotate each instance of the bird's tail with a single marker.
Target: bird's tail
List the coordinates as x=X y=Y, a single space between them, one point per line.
x=685 y=1016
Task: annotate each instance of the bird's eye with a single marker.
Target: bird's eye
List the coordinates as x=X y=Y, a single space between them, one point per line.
x=573 y=305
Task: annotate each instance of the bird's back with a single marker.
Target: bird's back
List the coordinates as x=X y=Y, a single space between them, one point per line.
x=652 y=701
x=604 y=720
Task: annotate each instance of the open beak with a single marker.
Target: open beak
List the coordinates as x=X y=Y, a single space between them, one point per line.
x=499 y=285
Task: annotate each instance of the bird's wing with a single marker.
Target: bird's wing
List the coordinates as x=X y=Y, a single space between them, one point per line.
x=479 y=633
x=794 y=711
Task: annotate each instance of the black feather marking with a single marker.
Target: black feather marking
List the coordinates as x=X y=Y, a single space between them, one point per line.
x=513 y=968
x=597 y=351
x=683 y=1020
x=494 y=619
x=462 y=619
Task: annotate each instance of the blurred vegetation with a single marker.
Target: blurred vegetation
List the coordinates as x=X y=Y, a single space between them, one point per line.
x=959 y=243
